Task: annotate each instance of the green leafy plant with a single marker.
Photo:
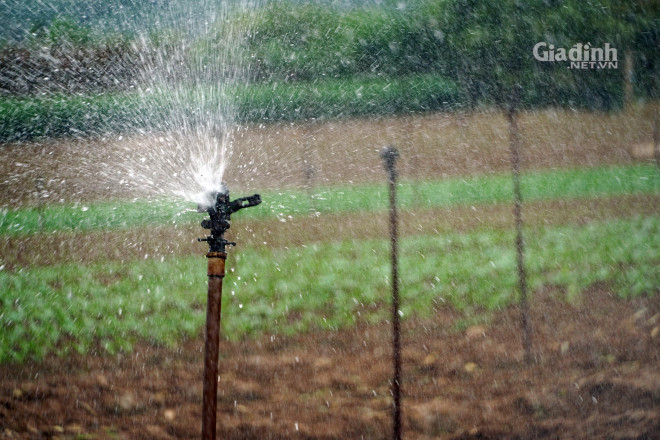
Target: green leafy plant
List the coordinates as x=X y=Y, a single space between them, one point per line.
x=107 y=307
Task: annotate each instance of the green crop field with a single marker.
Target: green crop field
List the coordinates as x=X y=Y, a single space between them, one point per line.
x=540 y=185
x=534 y=319
x=109 y=305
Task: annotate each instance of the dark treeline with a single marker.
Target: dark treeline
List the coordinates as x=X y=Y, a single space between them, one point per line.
x=484 y=47
x=64 y=57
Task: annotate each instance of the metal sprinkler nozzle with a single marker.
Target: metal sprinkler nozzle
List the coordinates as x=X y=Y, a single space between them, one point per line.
x=220 y=209
x=220 y=215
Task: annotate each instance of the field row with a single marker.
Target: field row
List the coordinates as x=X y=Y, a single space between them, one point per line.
x=287 y=204
x=59 y=115
x=168 y=241
x=108 y=306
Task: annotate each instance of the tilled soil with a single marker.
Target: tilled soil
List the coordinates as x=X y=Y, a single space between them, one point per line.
x=275 y=156
x=594 y=375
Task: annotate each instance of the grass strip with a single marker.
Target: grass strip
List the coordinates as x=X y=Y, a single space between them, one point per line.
x=108 y=307
x=61 y=115
x=539 y=185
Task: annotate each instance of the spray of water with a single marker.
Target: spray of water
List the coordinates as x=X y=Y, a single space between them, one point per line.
x=163 y=122
x=178 y=80
x=187 y=76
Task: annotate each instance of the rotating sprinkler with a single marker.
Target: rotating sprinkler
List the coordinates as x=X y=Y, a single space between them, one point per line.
x=220 y=210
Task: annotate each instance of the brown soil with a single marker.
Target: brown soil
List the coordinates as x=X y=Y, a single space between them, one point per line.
x=166 y=241
x=594 y=376
x=595 y=372
x=337 y=152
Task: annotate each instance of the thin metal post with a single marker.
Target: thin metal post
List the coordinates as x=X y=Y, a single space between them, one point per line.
x=520 y=244
x=39 y=194
x=216 y=272
x=656 y=140
x=309 y=173
x=389 y=155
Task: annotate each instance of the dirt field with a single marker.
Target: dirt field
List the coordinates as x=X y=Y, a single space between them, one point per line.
x=594 y=376
x=337 y=152
x=595 y=372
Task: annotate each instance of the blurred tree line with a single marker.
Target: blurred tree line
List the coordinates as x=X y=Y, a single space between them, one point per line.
x=65 y=57
x=484 y=47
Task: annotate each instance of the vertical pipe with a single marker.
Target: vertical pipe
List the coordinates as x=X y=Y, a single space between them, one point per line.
x=656 y=140
x=309 y=173
x=39 y=195
x=628 y=72
x=389 y=155
x=216 y=272
x=514 y=137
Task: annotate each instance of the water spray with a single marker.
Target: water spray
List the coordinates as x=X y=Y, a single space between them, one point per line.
x=390 y=155
x=220 y=209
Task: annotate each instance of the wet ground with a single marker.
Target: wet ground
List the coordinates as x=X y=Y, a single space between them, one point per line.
x=276 y=156
x=594 y=376
x=594 y=373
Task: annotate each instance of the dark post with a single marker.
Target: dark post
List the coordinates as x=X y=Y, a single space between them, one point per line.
x=389 y=155
x=39 y=194
x=220 y=211
x=514 y=141
x=656 y=140
x=309 y=173
x=216 y=272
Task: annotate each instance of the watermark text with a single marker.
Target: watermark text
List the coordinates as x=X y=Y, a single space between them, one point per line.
x=578 y=56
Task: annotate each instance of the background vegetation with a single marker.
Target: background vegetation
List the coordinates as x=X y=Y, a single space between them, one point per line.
x=322 y=60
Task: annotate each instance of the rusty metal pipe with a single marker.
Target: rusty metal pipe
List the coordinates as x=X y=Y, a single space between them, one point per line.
x=216 y=273
x=219 y=208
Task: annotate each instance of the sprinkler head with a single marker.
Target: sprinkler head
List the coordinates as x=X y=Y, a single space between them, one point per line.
x=220 y=212
x=389 y=155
